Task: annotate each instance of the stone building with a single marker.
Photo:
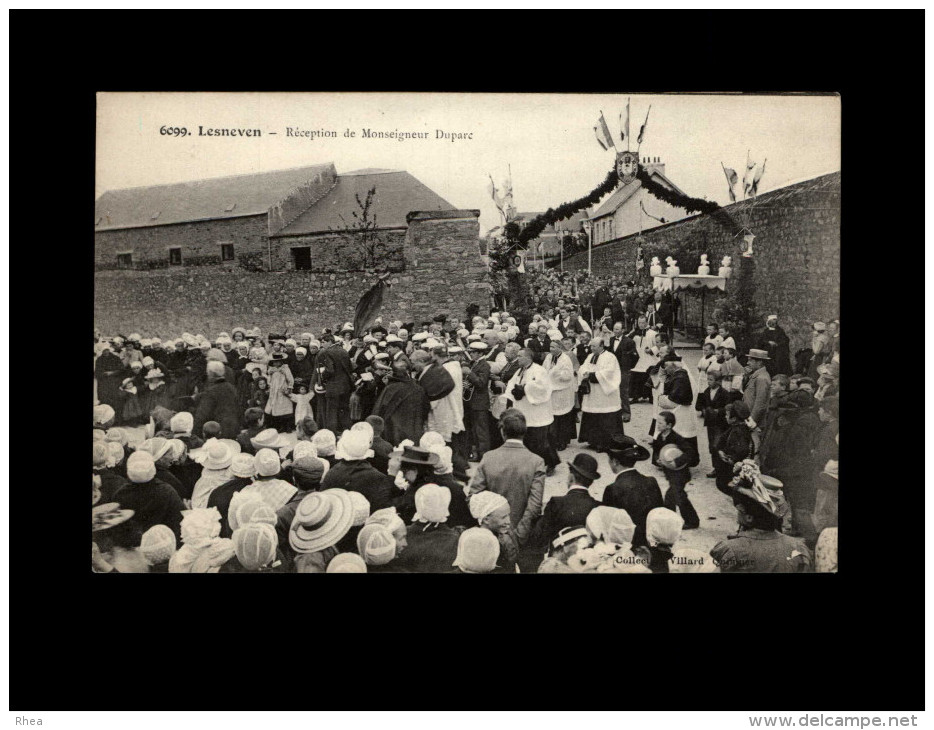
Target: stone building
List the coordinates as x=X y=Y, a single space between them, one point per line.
x=621 y=214
x=293 y=219
x=273 y=250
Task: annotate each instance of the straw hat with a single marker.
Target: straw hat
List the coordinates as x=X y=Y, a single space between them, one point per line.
x=671 y=457
x=321 y=520
x=105 y=516
x=269 y=439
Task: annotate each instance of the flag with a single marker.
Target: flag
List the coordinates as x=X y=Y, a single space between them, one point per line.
x=731 y=178
x=747 y=177
x=596 y=133
x=369 y=305
x=624 y=126
x=758 y=176
x=608 y=138
x=644 y=125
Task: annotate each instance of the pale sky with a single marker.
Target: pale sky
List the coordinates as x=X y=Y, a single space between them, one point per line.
x=548 y=139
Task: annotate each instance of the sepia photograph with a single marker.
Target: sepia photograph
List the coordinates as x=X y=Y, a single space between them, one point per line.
x=381 y=332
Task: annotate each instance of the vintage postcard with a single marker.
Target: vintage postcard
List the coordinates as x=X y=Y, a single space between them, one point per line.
x=466 y=333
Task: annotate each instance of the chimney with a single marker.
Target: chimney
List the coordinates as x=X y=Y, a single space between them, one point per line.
x=654 y=163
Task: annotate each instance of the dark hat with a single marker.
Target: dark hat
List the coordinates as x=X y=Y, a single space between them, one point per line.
x=442 y=318
x=378 y=328
x=408 y=326
x=625 y=448
x=425 y=324
x=421 y=457
x=273 y=337
x=299 y=382
x=278 y=357
x=584 y=465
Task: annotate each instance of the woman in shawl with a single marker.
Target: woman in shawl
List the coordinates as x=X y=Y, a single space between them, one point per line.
x=179 y=370
x=109 y=370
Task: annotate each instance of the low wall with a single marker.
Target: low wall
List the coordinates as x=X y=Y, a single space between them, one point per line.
x=796 y=250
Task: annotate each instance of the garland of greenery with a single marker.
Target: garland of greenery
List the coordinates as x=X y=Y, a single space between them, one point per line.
x=535 y=226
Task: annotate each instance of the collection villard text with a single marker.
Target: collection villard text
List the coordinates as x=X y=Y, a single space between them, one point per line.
x=313 y=134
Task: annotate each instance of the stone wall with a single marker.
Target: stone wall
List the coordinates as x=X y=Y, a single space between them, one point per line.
x=200 y=243
x=440 y=271
x=342 y=251
x=796 y=250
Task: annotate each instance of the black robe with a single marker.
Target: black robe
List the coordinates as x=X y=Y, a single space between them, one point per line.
x=402 y=405
x=638 y=494
x=780 y=352
x=109 y=371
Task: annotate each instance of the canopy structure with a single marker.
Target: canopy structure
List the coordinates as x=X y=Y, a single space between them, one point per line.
x=689 y=281
x=697 y=282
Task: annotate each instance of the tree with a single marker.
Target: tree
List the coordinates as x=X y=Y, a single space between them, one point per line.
x=739 y=307
x=361 y=232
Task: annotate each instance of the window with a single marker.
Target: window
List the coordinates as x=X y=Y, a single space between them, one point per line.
x=124 y=261
x=301 y=258
x=227 y=253
x=175 y=257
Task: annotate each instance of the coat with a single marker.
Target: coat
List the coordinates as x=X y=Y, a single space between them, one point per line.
x=432 y=548
x=479 y=378
x=337 y=377
x=219 y=402
x=360 y=476
x=776 y=343
x=221 y=497
x=638 y=494
x=567 y=511
x=756 y=394
x=713 y=409
x=625 y=351
x=789 y=437
x=154 y=503
x=109 y=370
x=540 y=348
x=514 y=472
x=279 y=404
x=402 y=405
x=762 y=551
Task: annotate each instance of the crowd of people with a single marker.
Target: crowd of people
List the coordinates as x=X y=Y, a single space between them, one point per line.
x=351 y=451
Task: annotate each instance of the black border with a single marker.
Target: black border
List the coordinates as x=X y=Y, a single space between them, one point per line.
x=751 y=642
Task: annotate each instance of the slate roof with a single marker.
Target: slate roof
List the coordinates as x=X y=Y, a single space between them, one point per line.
x=625 y=192
x=397 y=194
x=233 y=196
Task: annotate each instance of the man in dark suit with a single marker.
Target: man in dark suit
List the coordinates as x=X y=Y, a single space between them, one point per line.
x=601 y=299
x=677 y=472
x=661 y=312
x=636 y=493
x=337 y=378
x=573 y=508
x=624 y=349
x=476 y=372
x=582 y=350
x=712 y=405
x=540 y=344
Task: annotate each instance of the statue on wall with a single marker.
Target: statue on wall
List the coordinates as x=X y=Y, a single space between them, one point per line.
x=704 y=268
